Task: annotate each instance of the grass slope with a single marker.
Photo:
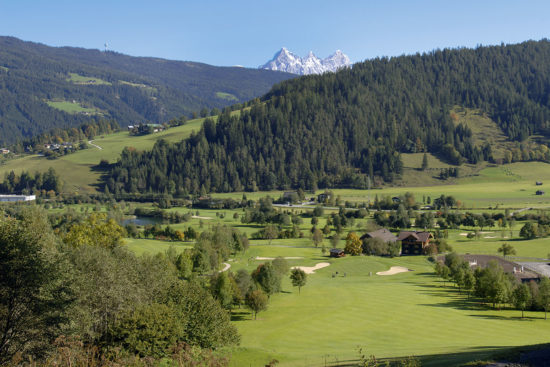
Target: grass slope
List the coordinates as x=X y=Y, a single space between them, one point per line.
x=72 y=107
x=76 y=169
x=86 y=80
x=392 y=316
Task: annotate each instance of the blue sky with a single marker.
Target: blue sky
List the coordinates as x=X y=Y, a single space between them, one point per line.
x=249 y=32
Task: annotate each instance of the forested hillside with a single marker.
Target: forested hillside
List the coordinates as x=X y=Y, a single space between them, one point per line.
x=44 y=87
x=339 y=129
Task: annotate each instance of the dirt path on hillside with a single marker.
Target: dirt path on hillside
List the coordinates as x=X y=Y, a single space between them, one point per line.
x=91 y=142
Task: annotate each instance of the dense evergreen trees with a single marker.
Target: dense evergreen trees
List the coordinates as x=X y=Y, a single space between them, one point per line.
x=339 y=129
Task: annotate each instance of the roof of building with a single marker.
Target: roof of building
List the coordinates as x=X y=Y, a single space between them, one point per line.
x=508 y=266
x=420 y=236
x=381 y=233
x=336 y=250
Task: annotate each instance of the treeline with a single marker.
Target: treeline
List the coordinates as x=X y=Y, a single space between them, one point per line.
x=493 y=285
x=27 y=183
x=342 y=129
x=76 y=294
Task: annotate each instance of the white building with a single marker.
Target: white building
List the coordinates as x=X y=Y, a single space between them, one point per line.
x=17 y=197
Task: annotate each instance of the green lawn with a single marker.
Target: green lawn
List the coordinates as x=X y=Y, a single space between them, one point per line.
x=391 y=316
x=140 y=246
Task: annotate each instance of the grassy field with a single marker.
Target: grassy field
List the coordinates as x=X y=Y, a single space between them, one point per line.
x=85 y=80
x=137 y=85
x=141 y=246
x=76 y=169
x=72 y=108
x=226 y=96
x=390 y=316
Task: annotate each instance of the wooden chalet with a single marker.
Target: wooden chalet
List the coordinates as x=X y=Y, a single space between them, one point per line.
x=336 y=252
x=413 y=242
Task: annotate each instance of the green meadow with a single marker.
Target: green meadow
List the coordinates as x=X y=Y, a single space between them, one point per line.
x=77 y=169
x=71 y=107
x=85 y=80
x=226 y=96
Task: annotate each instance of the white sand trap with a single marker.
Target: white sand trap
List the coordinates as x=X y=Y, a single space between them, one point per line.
x=199 y=217
x=463 y=234
x=272 y=258
x=484 y=232
x=226 y=267
x=394 y=270
x=489 y=237
x=311 y=269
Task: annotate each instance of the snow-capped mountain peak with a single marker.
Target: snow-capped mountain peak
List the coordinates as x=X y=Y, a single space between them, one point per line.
x=284 y=60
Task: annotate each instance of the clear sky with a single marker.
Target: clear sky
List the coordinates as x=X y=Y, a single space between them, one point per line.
x=249 y=32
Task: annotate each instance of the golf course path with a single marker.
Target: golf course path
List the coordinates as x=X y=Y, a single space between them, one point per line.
x=286 y=258
x=394 y=270
x=226 y=267
x=311 y=269
x=91 y=142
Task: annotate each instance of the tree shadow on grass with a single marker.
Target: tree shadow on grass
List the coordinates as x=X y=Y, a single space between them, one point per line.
x=445 y=359
x=240 y=315
x=501 y=317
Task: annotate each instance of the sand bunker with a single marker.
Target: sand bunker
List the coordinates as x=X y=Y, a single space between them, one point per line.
x=489 y=237
x=226 y=267
x=199 y=217
x=272 y=258
x=311 y=269
x=463 y=234
x=394 y=270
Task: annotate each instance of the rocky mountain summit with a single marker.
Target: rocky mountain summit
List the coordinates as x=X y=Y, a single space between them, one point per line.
x=286 y=61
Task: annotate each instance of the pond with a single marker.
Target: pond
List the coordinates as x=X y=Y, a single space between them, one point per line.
x=142 y=221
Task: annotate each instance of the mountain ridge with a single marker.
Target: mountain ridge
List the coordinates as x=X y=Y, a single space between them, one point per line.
x=286 y=61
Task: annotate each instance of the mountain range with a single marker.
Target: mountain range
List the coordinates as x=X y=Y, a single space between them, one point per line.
x=286 y=61
x=43 y=87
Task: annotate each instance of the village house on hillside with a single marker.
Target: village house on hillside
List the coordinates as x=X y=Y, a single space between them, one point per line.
x=384 y=234
x=413 y=242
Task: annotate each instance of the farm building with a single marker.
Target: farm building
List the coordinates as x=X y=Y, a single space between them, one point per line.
x=414 y=243
x=322 y=198
x=336 y=252
x=4 y=151
x=4 y=198
x=382 y=233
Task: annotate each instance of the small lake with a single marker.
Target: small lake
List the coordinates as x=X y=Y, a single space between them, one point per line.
x=142 y=221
